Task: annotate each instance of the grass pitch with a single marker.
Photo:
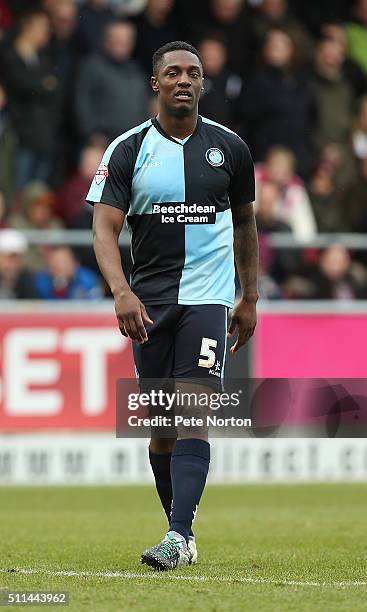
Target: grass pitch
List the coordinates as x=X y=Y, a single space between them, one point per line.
x=291 y=547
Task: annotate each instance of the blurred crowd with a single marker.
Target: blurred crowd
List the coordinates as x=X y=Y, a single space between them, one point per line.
x=289 y=76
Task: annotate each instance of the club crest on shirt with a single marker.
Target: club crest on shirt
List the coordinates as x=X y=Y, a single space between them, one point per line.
x=101 y=174
x=214 y=157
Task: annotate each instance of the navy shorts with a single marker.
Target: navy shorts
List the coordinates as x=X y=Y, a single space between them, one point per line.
x=185 y=342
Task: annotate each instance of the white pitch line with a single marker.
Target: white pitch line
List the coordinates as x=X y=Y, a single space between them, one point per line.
x=164 y=575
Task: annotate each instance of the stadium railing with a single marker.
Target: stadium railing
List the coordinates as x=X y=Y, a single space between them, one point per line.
x=276 y=240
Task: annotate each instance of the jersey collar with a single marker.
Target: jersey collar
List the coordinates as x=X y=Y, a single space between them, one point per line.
x=158 y=126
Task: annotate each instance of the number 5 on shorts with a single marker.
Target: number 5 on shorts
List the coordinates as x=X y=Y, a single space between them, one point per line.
x=206 y=351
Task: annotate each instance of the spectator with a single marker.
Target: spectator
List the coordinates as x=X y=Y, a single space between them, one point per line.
x=336 y=31
x=333 y=94
x=354 y=203
x=267 y=219
x=337 y=277
x=154 y=27
x=273 y=14
x=277 y=101
x=33 y=92
x=222 y=88
x=357 y=35
x=94 y=16
x=293 y=206
x=63 y=52
x=71 y=198
x=63 y=43
x=65 y=279
x=359 y=132
x=109 y=82
x=37 y=213
x=228 y=18
x=16 y=282
x=324 y=190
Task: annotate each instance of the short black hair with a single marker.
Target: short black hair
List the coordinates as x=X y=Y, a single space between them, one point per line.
x=176 y=45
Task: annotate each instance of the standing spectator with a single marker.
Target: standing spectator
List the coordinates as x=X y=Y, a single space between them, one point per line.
x=325 y=189
x=112 y=93
x=273 y=14
x=65 y=279
x=293 y=205
x=16 y=282
x=94 y=16
x=63 y=52
x=33 y=92
x=222 y=88
x=277 y=101
x=333 y=94
x=336 y=31
x=357 y=34
x=229 y=19
x=63 y=43
x=154 y=27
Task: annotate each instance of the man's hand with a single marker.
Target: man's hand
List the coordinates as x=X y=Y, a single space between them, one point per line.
x=244 y=319
x=132 y=316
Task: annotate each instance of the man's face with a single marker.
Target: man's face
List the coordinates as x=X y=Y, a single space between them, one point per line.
x=119 y=41
x=178 y=83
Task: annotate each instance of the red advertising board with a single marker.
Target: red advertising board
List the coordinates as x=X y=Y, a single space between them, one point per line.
x=59 y=366
x=59 y=370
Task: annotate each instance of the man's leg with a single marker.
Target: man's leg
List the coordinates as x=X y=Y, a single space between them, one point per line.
x=154 y=360
x=189 y=463
x=200 y=346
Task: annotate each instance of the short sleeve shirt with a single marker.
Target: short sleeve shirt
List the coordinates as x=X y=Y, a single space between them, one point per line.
x=177 y=197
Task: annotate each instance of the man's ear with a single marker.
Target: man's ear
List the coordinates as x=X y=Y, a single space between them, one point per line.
x=154 y=84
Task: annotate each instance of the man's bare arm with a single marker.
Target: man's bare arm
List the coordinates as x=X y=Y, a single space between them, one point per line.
x=131 y=314
x=246 y=252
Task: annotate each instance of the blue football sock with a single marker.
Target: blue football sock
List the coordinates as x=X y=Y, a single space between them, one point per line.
x=189 y=469
x=161 y=470
x=161 y=465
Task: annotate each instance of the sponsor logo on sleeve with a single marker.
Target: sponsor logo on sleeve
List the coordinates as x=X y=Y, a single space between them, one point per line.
x=101 y=174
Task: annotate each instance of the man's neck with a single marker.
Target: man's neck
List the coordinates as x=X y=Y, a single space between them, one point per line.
x=178 y=127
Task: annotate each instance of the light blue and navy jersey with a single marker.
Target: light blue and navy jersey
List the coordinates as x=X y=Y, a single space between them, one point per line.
x=178 y=196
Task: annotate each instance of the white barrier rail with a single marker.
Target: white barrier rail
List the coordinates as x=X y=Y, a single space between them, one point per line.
x=277 y=240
